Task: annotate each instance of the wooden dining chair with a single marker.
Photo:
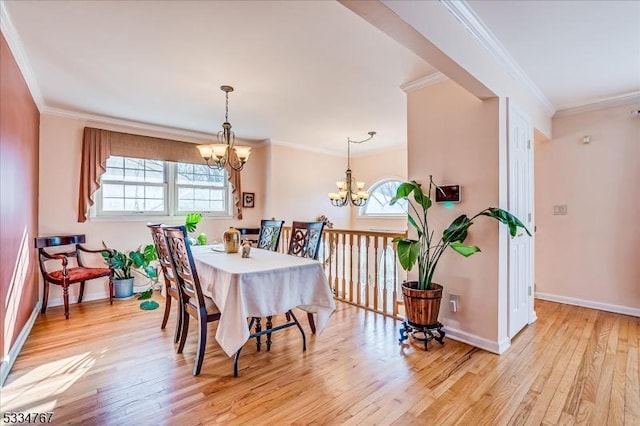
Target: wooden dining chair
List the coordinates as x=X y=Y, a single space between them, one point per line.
x=250 y=234
x=305 y=241
x=269 y=236
x=193 y=302
x=67 y=274
x=170 y=281
x=268 y=239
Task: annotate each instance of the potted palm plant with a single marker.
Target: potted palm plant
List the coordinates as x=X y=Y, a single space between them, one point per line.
x=422 y=297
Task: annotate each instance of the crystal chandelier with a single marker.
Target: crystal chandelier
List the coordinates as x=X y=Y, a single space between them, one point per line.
x=350 y=191
x=218 y=155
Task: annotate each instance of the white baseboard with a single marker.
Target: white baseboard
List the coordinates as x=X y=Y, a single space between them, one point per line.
x=618 y=309
x=96 y=294
x=10 y=359
x=477 y=341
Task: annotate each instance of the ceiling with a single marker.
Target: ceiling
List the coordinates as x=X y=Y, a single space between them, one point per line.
x=576 y=52
x=305 y=72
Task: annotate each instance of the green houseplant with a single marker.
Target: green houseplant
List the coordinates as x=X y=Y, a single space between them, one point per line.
x=123 y=265
x=426 y=251
x=191 y=223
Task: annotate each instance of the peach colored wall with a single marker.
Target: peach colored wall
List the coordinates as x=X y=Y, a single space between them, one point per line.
x=454 y=137
x=374 y=167
x=60 y=144
x=592 y=252
x=19 y=118
x=298 y=183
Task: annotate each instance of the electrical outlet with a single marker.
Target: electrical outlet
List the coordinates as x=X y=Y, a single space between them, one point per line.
x=560 y=209
x=454 y=302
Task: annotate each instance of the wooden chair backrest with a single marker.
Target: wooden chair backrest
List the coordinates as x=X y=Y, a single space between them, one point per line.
x=184 y=266
x=270 y=234
x=306 y=239
x=42 y=243
x=164 y=257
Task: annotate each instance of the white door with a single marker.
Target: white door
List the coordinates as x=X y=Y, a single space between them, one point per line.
x=521 y=205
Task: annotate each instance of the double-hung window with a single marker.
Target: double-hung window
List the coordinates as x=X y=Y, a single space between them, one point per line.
x=136 y=186
x=200 y=188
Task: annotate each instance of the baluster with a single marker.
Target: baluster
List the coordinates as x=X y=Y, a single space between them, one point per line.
x=344 y=266
x=350 y=267
x=395 y=280
x=375 y=275
x=384 y=274
x=330 y=274
x=359 y=283
x=366 y=277
x=336 y=279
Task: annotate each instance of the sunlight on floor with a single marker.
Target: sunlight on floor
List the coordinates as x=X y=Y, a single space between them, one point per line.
x=44 y=384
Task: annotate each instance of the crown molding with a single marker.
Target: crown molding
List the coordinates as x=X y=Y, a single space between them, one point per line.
x=119 y=123
x=15 y=45
x=472 y=22
x=304 y=148
x=333 y=153
x=423 y=82
x=610 y=102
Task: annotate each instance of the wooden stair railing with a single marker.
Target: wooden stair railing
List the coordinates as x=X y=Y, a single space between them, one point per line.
x=361 y=267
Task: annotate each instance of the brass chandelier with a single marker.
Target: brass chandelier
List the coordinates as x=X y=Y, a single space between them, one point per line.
x=218 y=155
x=350 y=191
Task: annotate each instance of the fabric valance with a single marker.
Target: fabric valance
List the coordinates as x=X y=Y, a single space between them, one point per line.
x=99 y=144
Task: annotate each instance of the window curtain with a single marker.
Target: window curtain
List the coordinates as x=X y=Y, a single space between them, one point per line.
x=96 y=148
x=98 y=145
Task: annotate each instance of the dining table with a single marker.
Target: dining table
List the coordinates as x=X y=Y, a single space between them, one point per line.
x=265 y=284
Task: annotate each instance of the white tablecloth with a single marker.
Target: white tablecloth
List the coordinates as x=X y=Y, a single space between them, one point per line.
x=266 y=283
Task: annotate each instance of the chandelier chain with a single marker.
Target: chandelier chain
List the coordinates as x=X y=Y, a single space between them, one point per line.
x=350 y=191
x=225 y=153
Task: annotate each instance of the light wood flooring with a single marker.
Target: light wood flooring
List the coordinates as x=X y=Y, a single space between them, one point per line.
x=112 y=365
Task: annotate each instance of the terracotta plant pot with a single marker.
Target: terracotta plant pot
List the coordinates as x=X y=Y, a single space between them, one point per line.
x=421 y=306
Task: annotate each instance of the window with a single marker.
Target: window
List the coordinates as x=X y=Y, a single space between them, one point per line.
x=135 y=186
x=380 y=194
x=200 y=188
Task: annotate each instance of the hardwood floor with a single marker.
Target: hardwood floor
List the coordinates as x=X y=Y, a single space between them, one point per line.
x=112 y=365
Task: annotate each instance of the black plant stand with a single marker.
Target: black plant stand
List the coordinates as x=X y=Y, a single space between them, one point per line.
x=428 y=332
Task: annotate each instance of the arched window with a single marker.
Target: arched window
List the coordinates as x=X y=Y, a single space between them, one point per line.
x=380 y=194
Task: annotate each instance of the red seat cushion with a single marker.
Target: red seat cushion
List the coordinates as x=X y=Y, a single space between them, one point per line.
x=78 y=274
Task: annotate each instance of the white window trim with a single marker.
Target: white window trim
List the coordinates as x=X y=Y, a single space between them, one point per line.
x=382 y=215
x=171 y=214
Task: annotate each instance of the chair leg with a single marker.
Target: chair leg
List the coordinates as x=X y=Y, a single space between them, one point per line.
x=178 y=323
x=202 y=343
x=111 y=293
x=81 y=294
x=45 y=297
x=304 y=338
x=167 y=308
x=258 y=330
x=183 y=332
x=269 y=326
x=312 y=323
x=65 y=295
